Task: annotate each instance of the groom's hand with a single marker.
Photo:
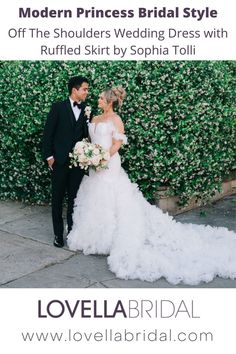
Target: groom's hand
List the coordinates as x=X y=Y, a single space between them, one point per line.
x=50 y=163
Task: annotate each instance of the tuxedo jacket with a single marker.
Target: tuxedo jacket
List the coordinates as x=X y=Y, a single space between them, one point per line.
x=62 y=131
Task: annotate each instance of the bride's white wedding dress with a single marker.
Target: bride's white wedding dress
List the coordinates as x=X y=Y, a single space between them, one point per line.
x=111 y=217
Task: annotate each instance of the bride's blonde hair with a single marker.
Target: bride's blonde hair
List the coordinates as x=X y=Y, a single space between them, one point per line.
x=115 y=95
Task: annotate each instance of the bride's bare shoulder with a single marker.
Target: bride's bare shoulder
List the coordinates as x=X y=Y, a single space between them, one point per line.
x=116 y=118
x=117 y=121
x=95 y=119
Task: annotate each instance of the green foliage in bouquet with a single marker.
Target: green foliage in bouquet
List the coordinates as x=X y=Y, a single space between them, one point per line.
x=179 y=118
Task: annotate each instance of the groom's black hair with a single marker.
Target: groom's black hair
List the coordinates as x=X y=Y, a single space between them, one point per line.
x=76 y=82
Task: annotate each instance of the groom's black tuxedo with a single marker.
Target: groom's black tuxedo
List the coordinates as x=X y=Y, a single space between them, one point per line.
x=61 y=133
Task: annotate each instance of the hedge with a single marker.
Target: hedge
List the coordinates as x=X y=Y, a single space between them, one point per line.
x=179 y=117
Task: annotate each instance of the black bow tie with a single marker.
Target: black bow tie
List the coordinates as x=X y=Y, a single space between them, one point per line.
x=79 y=105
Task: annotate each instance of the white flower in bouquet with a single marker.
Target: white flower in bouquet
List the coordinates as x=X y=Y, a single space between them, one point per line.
x=86 y=154
x=95 y=160
x=82 y=159
x=79 y=151
x=96 y=151
x=87 y=112
x=79 y=145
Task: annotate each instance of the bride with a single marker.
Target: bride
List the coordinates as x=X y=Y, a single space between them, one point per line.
x=111 y=217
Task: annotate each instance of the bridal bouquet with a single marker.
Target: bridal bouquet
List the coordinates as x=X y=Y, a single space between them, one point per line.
x=86 y=154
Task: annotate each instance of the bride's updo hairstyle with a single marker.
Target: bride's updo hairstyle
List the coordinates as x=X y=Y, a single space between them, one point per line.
x=115 y=95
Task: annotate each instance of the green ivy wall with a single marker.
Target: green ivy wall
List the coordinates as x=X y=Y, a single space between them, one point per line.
x=179 y=117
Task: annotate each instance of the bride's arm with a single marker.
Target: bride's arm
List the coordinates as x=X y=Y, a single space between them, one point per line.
x=116 y=142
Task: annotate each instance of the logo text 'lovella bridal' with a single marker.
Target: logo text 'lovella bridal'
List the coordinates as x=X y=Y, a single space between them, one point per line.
x=163 y=308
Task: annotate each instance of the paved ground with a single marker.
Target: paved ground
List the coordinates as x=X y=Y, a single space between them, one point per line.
x=29 y=260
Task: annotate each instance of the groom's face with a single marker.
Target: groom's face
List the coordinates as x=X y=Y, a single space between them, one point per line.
x=82 y=92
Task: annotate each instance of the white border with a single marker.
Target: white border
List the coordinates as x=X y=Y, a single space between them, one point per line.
x=24 y=47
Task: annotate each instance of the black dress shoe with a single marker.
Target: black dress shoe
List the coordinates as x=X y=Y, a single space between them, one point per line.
x=58 y=242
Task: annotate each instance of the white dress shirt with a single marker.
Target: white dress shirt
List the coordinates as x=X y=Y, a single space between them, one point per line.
x=75 y=109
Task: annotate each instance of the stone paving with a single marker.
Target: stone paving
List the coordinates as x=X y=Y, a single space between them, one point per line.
x=29 y=260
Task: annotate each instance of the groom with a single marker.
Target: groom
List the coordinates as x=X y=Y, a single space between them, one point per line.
x=66 y=124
